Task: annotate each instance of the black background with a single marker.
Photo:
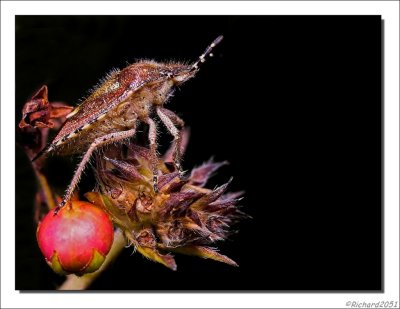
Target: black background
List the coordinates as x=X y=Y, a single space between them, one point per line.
x=292 y=102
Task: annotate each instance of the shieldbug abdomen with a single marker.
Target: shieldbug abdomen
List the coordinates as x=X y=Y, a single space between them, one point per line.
x=111 y=113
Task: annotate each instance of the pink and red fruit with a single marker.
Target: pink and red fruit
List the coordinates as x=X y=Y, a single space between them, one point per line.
x=76 y=239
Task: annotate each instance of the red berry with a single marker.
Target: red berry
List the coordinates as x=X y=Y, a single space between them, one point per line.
x=76 y=239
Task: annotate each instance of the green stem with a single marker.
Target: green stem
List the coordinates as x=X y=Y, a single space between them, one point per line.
x=46 y=189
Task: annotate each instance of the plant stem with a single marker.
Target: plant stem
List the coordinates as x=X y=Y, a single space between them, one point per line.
x=75 y=283
x=46 y=189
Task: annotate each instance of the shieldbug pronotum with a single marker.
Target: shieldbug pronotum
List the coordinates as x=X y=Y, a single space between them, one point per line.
x=111 y=113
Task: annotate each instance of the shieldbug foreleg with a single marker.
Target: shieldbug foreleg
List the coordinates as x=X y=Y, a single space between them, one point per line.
x=98 y=142
x=153 y=150
x=179 y=122
x=170 y=119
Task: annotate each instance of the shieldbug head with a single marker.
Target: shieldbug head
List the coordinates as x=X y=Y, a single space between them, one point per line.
x=114 y=109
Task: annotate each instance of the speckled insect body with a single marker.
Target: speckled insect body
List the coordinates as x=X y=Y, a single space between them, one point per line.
x=112 y=112
x=126 y=97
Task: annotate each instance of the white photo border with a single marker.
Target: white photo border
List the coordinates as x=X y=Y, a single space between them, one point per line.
x=389 y=10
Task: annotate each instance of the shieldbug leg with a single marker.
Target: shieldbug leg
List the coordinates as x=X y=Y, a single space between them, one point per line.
x=174 y=117
x=177 y=146
x=168 y=118
x=153 y=151
x=98 y=142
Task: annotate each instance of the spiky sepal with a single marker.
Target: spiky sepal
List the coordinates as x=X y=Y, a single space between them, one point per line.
x=182 y=217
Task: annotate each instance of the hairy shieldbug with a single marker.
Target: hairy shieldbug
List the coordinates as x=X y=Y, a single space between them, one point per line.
x=111 y=113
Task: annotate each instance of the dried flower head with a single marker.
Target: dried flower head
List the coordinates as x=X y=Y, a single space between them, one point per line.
x=182 y=217
x=38 y=116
